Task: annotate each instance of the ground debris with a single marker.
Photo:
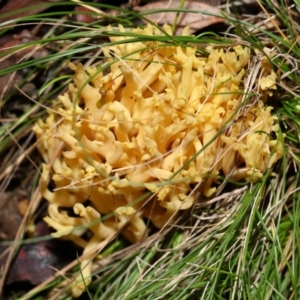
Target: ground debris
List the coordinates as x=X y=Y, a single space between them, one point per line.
x=7 y=60
x=38 y=261
x=200 y=15
x=10 y=218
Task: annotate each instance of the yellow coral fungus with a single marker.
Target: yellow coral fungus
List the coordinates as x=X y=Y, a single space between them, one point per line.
x=160 y=121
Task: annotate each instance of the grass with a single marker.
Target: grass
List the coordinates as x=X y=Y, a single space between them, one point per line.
x=243 y=243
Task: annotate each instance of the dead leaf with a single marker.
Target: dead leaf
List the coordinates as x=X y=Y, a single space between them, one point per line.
x=84 y=15
x=21 y=8
x=32 y=260
x=36 y=262
x=198 y=19
x=8 y=42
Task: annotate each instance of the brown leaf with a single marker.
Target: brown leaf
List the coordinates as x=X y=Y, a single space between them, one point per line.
x=8 y=42
x=21 y=8
x=33 y=264
x=84 y=15
x=36 y=262
x=197 y=19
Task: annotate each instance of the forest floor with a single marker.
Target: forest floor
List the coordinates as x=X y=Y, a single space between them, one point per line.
x=35 y=44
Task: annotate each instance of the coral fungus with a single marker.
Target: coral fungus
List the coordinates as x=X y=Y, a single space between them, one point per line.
x=151 y=119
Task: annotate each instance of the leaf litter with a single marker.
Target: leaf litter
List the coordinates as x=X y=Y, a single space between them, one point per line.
x=198 y=15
